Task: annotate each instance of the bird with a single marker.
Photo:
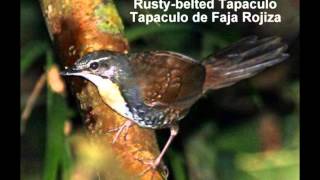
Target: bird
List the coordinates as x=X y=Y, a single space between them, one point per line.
x=156 y=89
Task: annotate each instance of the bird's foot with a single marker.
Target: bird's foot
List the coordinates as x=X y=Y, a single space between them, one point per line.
x=153 y=165
x=123 y=128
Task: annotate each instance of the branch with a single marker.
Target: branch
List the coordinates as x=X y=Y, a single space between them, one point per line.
x=32 y=99
x=80 y=26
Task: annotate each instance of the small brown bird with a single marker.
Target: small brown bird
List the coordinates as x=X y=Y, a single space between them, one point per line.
x=156 y=89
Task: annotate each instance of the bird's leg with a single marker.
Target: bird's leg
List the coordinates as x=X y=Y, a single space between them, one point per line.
x=153 y=164
x=123 y=128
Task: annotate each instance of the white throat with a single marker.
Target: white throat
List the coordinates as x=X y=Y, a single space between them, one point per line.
x=110 y=94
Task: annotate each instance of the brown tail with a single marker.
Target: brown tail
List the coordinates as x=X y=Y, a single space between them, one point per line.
x=242 y=60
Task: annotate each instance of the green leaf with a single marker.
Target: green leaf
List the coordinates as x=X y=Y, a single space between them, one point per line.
x=290 y=131
x=57 y=150
x=177 y=163
x=242 y=138
x=282 y=164
x=67 y=161
x=30 y=53
x=201 y=153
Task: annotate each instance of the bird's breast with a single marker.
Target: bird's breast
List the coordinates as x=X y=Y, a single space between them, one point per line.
x=111 y=95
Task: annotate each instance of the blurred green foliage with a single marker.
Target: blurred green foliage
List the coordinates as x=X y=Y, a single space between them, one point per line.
x=225 y=136
x=31 y=53
x=57 y=152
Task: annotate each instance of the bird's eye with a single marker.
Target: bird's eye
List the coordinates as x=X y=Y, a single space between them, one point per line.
x=94 y=65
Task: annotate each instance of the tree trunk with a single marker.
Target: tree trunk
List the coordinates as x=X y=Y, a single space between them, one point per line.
x=77 y=27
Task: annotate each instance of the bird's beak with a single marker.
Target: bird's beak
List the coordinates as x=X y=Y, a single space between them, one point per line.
x=70 y=72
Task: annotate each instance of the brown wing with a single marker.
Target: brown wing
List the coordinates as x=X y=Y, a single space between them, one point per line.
x=168 y=78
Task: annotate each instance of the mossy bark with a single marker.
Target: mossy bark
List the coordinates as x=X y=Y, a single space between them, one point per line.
x=77 y=27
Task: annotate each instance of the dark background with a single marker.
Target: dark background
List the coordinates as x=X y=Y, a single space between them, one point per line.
x=247 y=131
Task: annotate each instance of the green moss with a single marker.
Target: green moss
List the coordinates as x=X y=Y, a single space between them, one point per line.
x=108 y=18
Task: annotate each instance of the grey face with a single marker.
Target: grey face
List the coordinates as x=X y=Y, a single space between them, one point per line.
x=101 y=63
x=105 y=70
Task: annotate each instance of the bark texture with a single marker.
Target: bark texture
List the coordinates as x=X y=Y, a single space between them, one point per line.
x=77 y=27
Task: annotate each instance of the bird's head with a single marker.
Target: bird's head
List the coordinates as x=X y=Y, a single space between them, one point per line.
x=108 y=71
x=99 y=66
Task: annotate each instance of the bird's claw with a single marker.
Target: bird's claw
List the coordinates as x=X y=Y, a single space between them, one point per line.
x=153 y=165
x=123 y=128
